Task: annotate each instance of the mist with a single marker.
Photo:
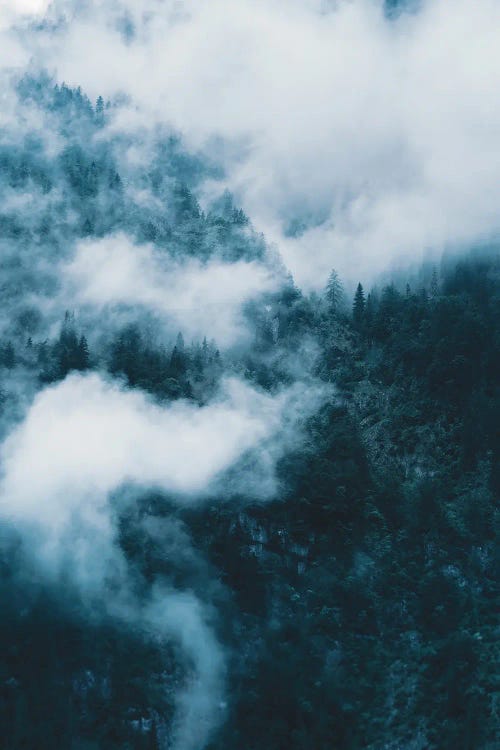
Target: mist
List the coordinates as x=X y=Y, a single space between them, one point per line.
x=245 y=500
x=93 y=448
x=82 y=440
x=188 y=296
x=373 y=143
x=97 y=436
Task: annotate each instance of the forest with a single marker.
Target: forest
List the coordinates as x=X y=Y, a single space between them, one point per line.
x=335 y=583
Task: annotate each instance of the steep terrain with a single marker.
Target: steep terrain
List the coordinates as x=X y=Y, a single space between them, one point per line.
x=331 y=583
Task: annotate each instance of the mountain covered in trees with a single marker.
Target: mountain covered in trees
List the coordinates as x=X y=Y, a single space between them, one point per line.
x=356 y=604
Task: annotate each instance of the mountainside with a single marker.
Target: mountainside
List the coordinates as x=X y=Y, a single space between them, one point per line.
x=232 y=513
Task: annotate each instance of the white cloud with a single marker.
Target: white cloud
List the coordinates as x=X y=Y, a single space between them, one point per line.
x=198 y=298
x=386 y=134
x=182 y=617
x=85 y=437
x=200 y=704
x=12 y=11
x=27 y=6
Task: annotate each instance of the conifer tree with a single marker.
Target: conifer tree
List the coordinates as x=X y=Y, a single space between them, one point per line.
x=334 y=292
x=358 y=307
x=434 y=290
x=83 y=354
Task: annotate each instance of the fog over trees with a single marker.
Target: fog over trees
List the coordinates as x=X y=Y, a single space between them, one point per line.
x=235 y=511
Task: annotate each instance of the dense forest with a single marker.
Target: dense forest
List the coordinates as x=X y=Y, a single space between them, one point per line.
x=352 y=603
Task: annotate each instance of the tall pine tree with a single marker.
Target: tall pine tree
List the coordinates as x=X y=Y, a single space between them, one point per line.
x=358 y=307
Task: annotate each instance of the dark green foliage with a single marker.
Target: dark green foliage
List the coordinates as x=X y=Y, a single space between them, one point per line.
x=69 y=353
x=379 y=567
x=358 y=308
x=66 y=682
x=359 y=605
x=168 y=374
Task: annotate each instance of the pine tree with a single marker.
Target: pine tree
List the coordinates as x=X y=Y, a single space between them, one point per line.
x=83 y=354
x=358 y=307
x=99 y=107
x=179 y=343
x=177 y=363
x=434 y=290
x=99 y=111
x=334 y=292
x=369 y=316
x=66 y=348
x=204 y=350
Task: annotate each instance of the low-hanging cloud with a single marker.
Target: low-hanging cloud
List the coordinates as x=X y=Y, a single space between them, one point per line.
x=13 y=11
x=86 y=437
x=200 y=706
x=351 y=139
x=198 y=298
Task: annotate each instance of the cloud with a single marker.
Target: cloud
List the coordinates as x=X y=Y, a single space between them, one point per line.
x=27 y=7
x=200 y=705
x=198 y=298
x=359 y=140
x=16 y=11
x=182 y=618
x=84 y=438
